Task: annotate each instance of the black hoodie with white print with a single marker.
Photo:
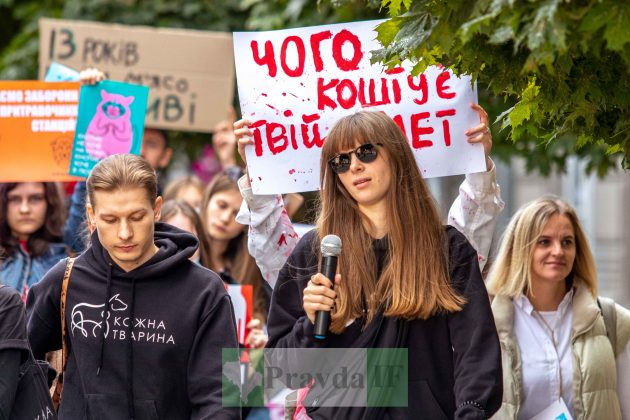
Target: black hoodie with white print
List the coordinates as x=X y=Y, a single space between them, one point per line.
x=143 y=344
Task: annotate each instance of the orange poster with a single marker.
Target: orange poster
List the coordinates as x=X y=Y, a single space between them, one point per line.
x=37 y=121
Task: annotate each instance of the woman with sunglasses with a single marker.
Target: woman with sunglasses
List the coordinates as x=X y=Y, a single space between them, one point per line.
x=473 y=212
x=404 y=281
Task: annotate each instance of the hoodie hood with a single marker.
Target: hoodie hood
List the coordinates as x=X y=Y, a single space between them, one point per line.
x=174 y=246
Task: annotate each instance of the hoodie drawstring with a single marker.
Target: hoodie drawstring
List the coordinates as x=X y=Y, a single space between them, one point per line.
x=130 y=396
x=104 y=318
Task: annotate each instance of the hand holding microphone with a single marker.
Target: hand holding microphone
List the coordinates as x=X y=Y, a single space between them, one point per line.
x=319 y=296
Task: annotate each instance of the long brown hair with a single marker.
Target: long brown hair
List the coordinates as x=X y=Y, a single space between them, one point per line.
x=242 y=267
x=414 y=282
x=172 y=208
x=49 y=232
x=511 y=273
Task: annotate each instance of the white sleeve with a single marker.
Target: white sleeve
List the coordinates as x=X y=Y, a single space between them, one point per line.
x=474 y=212
x=623 y=381
x=271 y=236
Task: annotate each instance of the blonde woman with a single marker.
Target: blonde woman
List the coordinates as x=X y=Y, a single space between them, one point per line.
x=405 y=281
x=554 y=339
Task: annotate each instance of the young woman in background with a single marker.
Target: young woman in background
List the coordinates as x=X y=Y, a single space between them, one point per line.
x=180 y=214
x=229 y=256
x=32 y=216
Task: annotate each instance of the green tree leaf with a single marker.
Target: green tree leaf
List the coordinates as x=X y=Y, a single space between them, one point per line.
x=561 y=69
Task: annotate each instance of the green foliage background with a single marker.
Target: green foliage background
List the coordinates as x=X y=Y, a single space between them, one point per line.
x=555 y=73
x=561 y=69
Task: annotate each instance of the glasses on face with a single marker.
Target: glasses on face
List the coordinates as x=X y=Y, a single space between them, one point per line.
x=366 y=153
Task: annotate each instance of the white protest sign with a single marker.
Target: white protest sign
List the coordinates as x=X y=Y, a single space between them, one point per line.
x=295 y=84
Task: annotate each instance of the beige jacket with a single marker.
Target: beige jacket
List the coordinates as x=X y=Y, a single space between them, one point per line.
x=594 y=369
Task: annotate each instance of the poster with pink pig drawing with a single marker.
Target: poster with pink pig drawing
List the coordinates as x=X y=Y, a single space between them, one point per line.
x=110 y=121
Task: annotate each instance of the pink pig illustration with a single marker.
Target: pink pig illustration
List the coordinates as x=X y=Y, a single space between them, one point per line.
x=110 y=130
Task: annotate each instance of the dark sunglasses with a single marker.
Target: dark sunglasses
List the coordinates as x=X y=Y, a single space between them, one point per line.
x=366 y=153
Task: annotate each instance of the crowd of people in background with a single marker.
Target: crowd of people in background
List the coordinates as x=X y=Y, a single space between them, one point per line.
x=127 y=273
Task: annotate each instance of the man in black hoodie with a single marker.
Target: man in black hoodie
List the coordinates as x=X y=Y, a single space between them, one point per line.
x=145 y=326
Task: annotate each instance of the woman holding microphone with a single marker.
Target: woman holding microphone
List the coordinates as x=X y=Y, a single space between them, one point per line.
x=404 y=280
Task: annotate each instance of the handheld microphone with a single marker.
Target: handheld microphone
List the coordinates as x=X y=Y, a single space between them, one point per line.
x=330 y=248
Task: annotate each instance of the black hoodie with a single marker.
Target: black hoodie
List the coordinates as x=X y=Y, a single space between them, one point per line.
x=160 y=345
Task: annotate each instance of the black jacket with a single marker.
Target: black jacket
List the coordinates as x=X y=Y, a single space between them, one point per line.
x=160 y=344
x=454 y=359
x=13 y=346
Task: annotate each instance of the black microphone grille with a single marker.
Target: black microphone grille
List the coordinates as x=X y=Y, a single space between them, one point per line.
x=331 y=246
